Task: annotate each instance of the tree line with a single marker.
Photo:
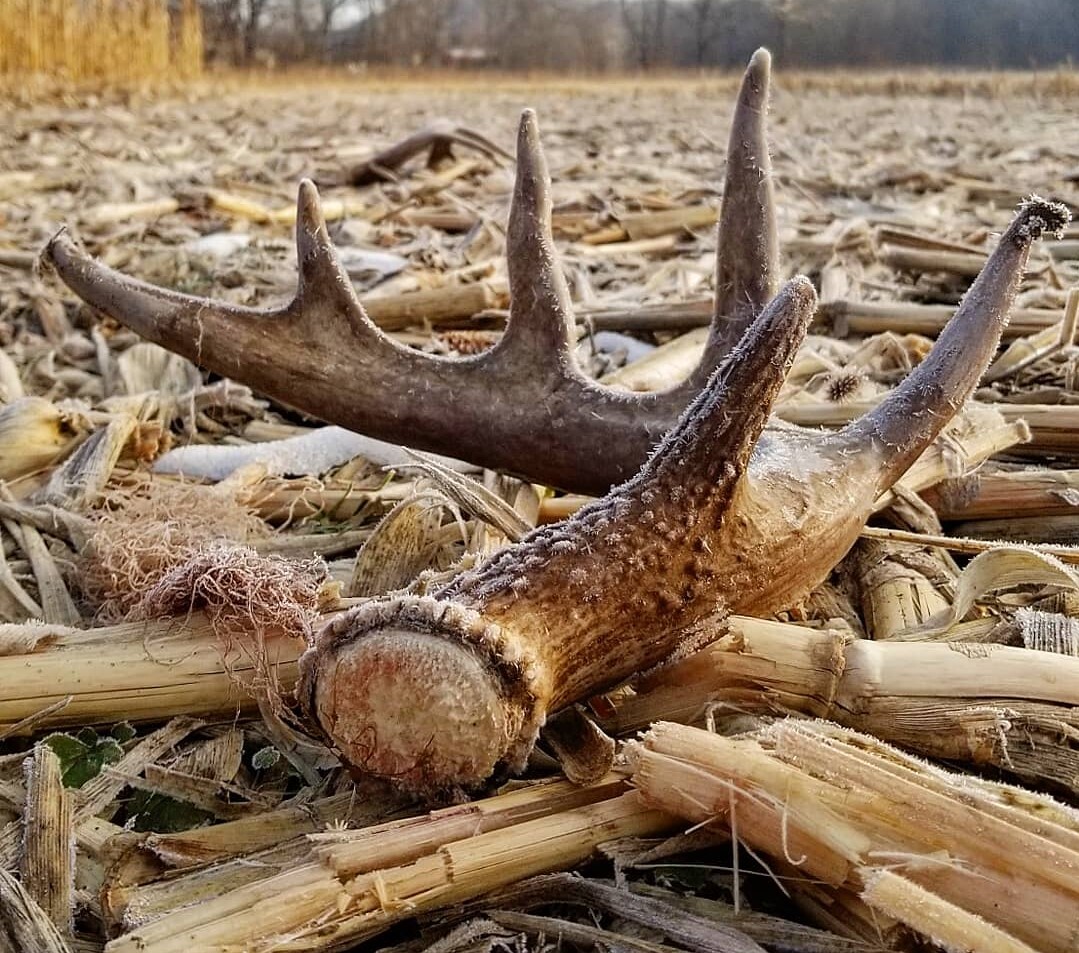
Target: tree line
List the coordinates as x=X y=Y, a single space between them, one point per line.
x=604 y=35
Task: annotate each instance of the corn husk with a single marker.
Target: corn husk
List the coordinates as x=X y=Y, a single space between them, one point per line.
x=47 y=865
x=34 y=433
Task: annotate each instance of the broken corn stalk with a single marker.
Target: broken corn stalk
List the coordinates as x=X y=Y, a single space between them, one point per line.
x=319 y=905
x=983 y=704
x=829 y=804
x=135 y=671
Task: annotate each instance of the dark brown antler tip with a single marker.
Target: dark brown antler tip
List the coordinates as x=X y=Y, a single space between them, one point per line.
x=910 y=418
x=528 y=127
x=747 y=247
x=312 y=239
x=58 y=251
x=325 y=290
x=801 y=290
x=309 y=205
x=532 y=192
x=541 y=322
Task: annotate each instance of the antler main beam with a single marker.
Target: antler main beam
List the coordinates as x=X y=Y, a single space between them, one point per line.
x=524 y=406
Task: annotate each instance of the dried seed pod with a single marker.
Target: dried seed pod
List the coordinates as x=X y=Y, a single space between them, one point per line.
x=845 y=384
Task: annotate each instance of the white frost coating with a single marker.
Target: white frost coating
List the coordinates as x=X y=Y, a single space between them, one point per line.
x=307 y=455
x=801 y=460
x=218 y=244
x=611 y=342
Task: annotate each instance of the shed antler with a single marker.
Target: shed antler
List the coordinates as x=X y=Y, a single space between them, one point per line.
x=523 y=406
x=441 y=691
x=439 y=138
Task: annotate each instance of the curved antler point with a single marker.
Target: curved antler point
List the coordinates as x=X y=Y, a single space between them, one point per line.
x=527 y=136
x=60 y=251
x=758 y=75
x=801 y=285
x=308 y=204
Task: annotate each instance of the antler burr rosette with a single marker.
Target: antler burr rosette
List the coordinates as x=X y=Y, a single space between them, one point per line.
x=723 y=516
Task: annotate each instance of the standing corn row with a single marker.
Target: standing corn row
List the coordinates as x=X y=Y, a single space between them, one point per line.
x=111 y=41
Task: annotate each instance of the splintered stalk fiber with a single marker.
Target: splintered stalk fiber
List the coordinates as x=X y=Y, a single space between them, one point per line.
x=47 y=866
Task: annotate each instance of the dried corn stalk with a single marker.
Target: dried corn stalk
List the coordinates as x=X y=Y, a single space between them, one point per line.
x=355 y=885
x=1013 y=708
x=834 y=806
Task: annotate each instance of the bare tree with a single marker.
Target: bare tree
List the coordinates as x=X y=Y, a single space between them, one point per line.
x=413 y=29
x=703 y=18
x=233 y=28
x=597 y=34
x=300 y=47
x=646 y=25
x=252 y=23
x=328 y=10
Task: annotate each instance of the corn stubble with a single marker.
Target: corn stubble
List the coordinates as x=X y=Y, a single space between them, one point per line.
x=969 y=864
x=349 y=886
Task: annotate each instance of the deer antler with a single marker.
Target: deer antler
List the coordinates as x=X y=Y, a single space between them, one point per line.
x=441 y=691
x=439 y=138
x=524 y=406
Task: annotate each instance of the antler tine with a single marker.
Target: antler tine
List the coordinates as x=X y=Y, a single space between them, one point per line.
x=324 y=295
x=691 y=474
x=747 y=248
x=182 y=323
x=910 y=418
x=713 y=445
x=232 y=339
x=539 y=336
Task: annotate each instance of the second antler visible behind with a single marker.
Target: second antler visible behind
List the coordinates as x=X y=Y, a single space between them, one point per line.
x=524 y=406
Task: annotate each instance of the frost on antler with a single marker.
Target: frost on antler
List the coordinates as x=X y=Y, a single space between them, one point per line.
x=321 y=354
x=441 y=691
